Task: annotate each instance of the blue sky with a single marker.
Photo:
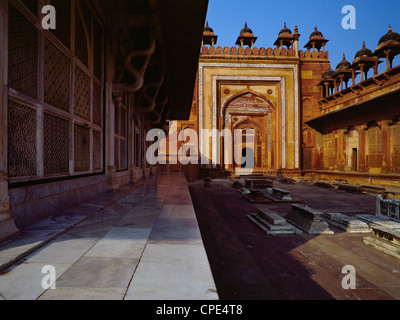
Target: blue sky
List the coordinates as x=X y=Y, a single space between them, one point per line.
x=266 y=19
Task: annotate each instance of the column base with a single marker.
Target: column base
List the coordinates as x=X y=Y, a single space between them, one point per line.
x=111 y=179
x=8 y=230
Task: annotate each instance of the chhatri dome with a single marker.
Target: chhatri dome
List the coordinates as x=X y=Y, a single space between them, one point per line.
x=343 y=64
x=390 y=36
x=364 y=52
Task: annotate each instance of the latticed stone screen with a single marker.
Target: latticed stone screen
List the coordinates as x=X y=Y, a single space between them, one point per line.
x=56 y=145
x=23 y=54
x=97 y=104
x=57 y=77
x=82 y=94
x=80 y=40
x=97 y=151
x=63 y=30
x=98 y=51
x=55 y=105
x=22 y=153
x=82 y=148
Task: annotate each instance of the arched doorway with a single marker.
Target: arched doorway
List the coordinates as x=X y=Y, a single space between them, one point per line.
x=251 y=111
x=375 y=148
x=248 y=158
x=250 y=145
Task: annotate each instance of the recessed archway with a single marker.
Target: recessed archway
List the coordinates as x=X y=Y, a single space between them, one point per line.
x=250 y=110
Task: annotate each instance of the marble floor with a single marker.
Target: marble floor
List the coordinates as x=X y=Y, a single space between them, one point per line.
x=140 y=243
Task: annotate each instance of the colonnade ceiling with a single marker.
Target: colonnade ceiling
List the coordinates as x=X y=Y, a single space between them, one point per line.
x=156 y=44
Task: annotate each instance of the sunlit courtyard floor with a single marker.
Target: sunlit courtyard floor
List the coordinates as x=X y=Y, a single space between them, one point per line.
x=248 y=264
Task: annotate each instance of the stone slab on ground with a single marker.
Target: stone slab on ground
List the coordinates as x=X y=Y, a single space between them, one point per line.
x=350 y=188
x=272 y=224
x=349 y=224
x=379 y=220
x=258 y=183
x=278 y=195
x=256 y=197
x=272 y=217
x=308 y=220
x=384 y=239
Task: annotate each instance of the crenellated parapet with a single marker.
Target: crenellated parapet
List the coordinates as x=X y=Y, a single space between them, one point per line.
x=262 y=53
x=287 y=46
x=313 y=54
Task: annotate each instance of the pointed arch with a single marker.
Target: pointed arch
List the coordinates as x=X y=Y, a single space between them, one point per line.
x=239 y=95
x=249 y=122
x=258 y=139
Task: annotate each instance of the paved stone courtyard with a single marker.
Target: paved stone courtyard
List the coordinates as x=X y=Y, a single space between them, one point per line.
x=145 y=243
x=247 y=264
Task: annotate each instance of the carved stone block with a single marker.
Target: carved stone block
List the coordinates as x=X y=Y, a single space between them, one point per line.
x=309 y=220
x=349 y=224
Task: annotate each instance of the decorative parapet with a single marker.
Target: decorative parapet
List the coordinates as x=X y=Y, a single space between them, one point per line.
x=308 y=54
x=339 y=98
x=261 y=53
x=383 y=83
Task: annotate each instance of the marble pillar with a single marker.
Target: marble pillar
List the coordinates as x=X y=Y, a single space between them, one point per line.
x=7 y=225
x=8 y=228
